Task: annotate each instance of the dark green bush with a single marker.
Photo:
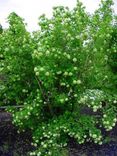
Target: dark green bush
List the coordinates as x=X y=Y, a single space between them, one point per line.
x=68 y=65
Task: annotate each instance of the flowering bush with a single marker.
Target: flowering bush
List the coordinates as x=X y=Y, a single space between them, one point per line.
x=69 y=64
x=16 y=62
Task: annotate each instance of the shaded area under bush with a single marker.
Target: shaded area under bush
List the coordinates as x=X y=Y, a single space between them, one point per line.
x=14 y=144
x=90 y=149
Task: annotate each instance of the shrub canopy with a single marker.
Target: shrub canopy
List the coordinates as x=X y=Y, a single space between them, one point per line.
x=67 y=66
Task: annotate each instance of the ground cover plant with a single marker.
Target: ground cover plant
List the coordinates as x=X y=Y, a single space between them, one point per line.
x=68 y=65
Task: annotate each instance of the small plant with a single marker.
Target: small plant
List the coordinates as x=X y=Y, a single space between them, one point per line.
x=69 y=64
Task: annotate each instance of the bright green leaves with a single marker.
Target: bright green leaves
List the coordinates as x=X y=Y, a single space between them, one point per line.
x=1 y=30
x=16 y=47
x=66 y=66
x=17 y=26
x=109 y=118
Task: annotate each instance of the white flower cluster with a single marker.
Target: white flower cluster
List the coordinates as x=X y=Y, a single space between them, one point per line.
x=109 y=122
x=38 y=70
x=77 y=81
x=37 y=54
x=77 y=135
x=92 y=98
x=25 y=114
x=97 y=137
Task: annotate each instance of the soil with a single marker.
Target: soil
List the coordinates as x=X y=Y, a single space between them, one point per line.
x=91 y=149
x=12 y=143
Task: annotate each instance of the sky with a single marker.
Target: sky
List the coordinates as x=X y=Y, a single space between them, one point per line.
x=30 y=10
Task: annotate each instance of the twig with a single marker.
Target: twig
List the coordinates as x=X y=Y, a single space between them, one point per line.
x=49 y=105
x=4 y=107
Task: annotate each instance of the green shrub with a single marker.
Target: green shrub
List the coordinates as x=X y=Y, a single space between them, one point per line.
x=16 y=65
x=68 y=65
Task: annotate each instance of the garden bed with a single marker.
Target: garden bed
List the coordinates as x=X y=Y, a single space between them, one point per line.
x=90 y=149
x=14 y=144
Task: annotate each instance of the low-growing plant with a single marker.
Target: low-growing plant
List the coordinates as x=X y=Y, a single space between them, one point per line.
x=68 y=65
